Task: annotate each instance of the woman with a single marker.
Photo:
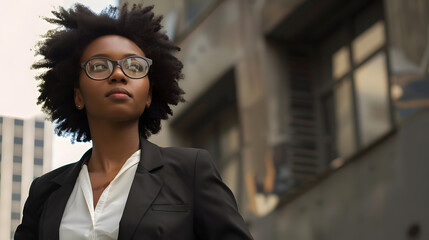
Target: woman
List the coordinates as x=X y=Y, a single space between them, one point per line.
x=111 y=78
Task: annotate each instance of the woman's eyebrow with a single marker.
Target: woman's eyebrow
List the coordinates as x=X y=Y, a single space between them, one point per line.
x=107 y=55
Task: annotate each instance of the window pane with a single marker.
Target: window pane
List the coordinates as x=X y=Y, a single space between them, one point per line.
x=368 y=42
x=329 y=139
x=194 y=8
x=38 y=143
x=39 y=125
x=373 y=108
x=229 y=141
x=38 y=161
x=340 y=62
x=345 y=134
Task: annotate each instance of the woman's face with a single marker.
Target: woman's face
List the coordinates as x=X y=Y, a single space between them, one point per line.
x=117 y=98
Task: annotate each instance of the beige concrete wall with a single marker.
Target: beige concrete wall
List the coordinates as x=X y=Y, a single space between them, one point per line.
x=378 y=196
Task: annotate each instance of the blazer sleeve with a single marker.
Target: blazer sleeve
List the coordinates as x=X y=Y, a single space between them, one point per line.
x=216 y=212
x=28 y=229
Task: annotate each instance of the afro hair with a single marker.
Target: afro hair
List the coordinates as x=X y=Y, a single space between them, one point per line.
x=62 y=48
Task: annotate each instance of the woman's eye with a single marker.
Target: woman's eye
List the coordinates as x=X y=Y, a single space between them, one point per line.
x=135 y=67
x=99 y=67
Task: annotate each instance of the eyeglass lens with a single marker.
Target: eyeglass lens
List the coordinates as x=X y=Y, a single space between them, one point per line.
x=101 y=68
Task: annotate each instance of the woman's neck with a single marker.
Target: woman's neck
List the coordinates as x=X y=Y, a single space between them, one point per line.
x=112 y=145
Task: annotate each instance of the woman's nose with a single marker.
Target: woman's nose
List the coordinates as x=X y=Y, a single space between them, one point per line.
x=118 y=75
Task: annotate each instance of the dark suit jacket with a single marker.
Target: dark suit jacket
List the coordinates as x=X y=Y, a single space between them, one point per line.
x=176 y=194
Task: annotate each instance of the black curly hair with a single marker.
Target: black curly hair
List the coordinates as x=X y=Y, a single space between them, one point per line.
x=62 y=48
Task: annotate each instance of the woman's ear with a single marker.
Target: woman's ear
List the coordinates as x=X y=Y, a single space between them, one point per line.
x=149 y=98
x=78 y=99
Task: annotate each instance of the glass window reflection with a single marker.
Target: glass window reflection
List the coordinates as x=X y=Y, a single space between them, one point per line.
x=356 y=103
x=340 y=62
x=345 y=135
x=372 y=98
x=368 y=42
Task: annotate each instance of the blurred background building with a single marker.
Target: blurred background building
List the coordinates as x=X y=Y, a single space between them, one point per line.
x=25 y=153
x=316 y=111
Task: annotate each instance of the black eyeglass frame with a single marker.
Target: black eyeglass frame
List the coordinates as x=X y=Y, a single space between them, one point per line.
x=116 y=63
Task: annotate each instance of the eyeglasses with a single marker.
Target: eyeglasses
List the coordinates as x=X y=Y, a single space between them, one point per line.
x=100 y=68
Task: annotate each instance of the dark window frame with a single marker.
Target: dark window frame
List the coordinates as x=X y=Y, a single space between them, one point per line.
x=16 y=197
x=329 y=85
x=216 y=109
x=19 y=122
x=39 y=124
x=38 y=161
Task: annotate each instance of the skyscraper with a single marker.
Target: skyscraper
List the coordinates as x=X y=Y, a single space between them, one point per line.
x=25 y=153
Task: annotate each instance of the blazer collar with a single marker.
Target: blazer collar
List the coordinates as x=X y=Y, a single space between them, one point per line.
x=150 y=159
x=144 y=189
x=71 y=174
x=56 y=202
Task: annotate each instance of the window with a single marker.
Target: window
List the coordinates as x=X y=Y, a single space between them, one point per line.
x=38 y=143
x=212 y=123
x=17 y=140
x=17 y=159
x=38 y=152
x=38 y=161
x=194 y=8
x=221 y=137
x=19 y=122
x=16 y=196
x=39 y=124
x=355 y=98
x=16 y=178
x=38 y=148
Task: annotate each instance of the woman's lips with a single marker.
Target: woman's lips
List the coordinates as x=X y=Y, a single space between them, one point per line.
x=118 y=92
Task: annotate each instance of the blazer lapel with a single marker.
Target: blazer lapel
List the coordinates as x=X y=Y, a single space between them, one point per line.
x=144 y=189
x=56 y=203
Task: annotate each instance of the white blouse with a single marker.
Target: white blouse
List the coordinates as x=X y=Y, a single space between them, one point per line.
x=80 y=219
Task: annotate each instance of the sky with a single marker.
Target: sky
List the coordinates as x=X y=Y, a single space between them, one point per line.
x=21 y=27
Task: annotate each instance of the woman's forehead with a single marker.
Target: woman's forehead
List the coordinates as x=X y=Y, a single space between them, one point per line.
x=112 y=46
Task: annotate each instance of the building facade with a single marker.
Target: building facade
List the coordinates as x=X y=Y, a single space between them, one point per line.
x=25 y=153
x=316 y=111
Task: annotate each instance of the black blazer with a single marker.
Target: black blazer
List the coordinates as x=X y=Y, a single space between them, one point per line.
x=176 y=193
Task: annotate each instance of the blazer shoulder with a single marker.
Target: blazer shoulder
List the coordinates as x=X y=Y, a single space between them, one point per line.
x=54 y=173
x=42 y=187
x=184 y=154
x=182 y=157
x=181 y=150
x=65 y=174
